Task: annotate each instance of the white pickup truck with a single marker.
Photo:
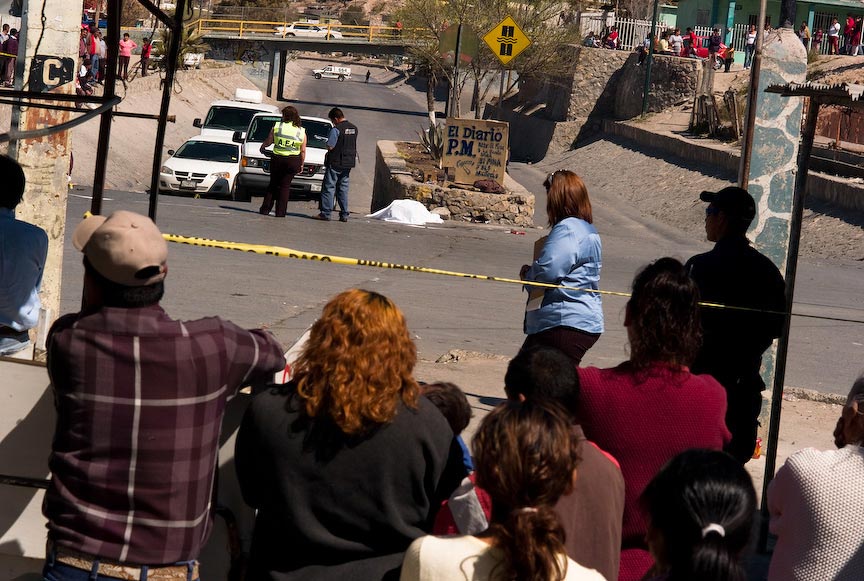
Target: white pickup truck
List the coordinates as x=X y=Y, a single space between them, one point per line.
x=226 y=117
x=332 y=72
x=254 y=176
x=193 y=60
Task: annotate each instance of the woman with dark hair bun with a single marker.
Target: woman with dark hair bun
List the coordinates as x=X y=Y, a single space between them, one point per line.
x=650 y=408
x=700 y=507
x=526 y=457
x=346 y=464
x=569 y=319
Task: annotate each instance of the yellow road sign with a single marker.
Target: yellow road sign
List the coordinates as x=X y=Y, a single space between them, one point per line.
x=506 y=40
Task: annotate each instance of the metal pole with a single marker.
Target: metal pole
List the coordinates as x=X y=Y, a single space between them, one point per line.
x=24 y=481
x=280 y=78
x=650 y=58
x=454 y=105
x=274 y=62
x=18 y=76
x=752 y=99
x=171 y=118
x=783 y=344
x=106 y=117
x=167 y=88
x=501 y=96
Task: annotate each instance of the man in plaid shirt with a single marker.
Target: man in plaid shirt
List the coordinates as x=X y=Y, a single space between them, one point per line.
x=140 y=399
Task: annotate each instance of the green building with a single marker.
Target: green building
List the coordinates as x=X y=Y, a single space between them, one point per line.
x=734 y=16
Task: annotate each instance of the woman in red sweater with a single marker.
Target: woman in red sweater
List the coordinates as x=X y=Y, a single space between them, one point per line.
x=647 y=410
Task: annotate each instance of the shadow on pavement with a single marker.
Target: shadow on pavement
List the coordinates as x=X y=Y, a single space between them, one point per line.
x=355 y=107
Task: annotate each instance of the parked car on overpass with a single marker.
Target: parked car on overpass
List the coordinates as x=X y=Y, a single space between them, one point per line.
x=306 y=30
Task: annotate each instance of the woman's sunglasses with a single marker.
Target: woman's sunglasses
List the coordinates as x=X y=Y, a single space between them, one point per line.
x=547 y=183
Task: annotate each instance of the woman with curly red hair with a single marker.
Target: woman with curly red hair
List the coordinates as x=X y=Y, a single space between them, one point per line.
x=346 y=464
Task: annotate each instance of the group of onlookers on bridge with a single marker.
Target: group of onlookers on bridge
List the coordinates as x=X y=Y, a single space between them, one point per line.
x=358 y=471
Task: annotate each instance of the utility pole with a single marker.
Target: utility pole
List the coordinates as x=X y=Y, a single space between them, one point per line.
x=46 y=159
x=650 y=60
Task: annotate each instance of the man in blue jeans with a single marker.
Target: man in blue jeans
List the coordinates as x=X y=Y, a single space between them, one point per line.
x=341 y=157
x=23 y=251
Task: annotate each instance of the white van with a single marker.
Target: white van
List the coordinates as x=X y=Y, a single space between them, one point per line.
x=254 y=176
x=226 y=117
x=332 y=72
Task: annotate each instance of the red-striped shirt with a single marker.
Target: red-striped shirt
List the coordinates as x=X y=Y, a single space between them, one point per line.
x=140 y=399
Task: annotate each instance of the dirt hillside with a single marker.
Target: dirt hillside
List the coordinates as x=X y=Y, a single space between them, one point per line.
x=837 y=69
x=132 y=140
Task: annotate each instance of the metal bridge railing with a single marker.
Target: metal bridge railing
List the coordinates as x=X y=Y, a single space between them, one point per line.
x=278 y=29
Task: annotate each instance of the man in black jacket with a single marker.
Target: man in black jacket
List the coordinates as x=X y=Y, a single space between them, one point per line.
x=341 y=157
x=736 y=274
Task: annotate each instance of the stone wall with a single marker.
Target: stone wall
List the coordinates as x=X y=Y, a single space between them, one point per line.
x=673 y=81
x=595 y=82
x=554 y=114
x=393 y=181
x=550 y=113
x=586 y=87
x=531 y=137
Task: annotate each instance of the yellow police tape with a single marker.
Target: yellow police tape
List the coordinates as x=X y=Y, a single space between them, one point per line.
x=283 y=252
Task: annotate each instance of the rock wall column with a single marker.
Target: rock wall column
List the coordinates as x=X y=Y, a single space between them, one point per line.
x=46 y=159
x=773 y=164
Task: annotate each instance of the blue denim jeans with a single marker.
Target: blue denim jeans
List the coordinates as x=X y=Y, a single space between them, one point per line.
x=335 y=181
x=54 y=571
x=14 y=344
x=749 y=49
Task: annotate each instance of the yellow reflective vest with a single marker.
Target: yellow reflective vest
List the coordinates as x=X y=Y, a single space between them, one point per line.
x=287 y=139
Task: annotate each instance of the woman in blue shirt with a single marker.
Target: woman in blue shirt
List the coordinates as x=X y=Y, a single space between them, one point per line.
x=569 y=319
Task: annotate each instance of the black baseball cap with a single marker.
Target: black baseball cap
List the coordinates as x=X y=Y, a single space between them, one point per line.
x=733 y=200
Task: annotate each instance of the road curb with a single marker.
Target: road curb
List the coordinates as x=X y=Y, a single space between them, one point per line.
x=800 y=393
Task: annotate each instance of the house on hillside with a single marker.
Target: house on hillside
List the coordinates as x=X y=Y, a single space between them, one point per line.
x=734 y=16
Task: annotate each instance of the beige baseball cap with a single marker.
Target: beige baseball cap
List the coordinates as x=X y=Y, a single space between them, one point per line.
x=126 y=248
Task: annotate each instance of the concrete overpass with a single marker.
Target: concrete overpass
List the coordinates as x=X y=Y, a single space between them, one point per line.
x=276 y=44
x=274 y=37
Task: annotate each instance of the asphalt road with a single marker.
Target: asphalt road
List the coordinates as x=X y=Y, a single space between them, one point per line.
x=444 y=313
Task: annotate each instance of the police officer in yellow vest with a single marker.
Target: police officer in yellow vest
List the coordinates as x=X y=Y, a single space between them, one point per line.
x=289 y=151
